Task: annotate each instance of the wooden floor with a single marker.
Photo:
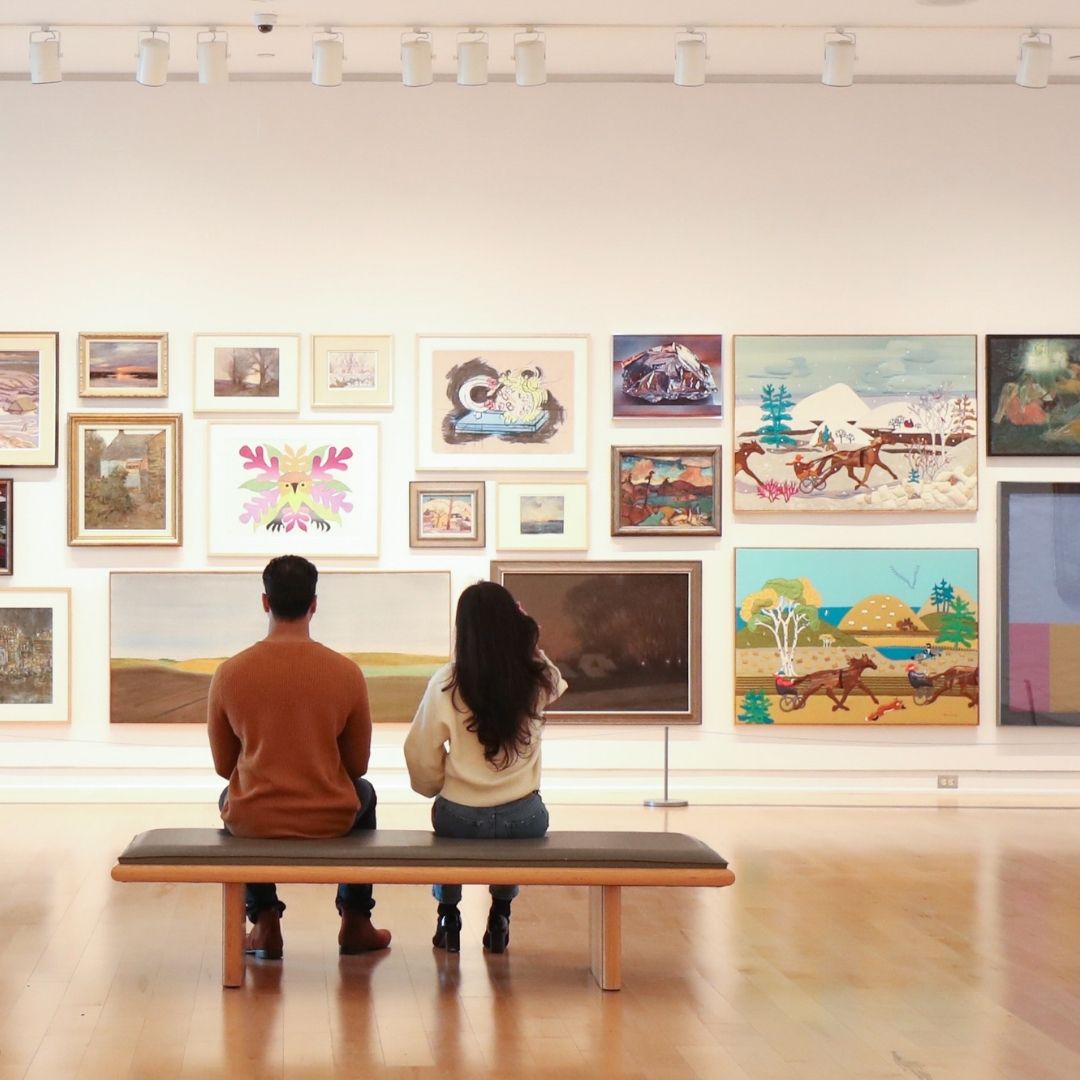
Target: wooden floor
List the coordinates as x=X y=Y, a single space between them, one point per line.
x=856 y=943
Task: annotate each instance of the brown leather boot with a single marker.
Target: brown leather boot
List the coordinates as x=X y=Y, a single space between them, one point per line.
x=357 y=935
x=264 y=938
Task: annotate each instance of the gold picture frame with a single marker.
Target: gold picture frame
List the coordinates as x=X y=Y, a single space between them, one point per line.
x=123 y=365
x=124 y=480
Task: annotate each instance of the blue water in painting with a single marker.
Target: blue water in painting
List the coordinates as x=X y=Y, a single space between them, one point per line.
x=533 y=527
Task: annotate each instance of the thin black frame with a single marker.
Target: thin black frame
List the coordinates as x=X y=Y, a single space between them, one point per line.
x=7 y=566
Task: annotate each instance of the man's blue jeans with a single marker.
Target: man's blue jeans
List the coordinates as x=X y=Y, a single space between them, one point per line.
x=258 y=896
x=521 y=819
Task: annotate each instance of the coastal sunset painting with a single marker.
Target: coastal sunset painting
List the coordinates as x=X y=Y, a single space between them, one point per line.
x=123 y=365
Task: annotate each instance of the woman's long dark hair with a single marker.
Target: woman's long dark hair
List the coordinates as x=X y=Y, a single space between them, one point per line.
x=498 y=673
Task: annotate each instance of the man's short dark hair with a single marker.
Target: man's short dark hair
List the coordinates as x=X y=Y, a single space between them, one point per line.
x=289 y=583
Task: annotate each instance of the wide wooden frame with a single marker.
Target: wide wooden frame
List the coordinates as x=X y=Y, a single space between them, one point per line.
x=86 y=390
x=59 y=711
x=381 y=396
x=474 y=489
x=1005 y=491
x=430 y=458
x=172 y=534
x=288 y=397
x=618 y=528
x=44 y=455
x=691 y=570
x=514 y=540
x=993 y=394
x=7 y=496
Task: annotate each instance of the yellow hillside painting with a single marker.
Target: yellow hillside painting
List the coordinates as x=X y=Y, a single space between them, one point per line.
x=870 y=637
x=170 y=631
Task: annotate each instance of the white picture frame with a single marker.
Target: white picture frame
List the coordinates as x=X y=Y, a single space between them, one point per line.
x=542 y=517
x=35 y=631
x=240 y=391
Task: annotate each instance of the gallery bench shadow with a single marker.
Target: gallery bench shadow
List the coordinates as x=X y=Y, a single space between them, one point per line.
x=604 y=861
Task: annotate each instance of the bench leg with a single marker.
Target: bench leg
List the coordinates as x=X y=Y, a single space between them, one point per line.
x=605 y=935
x=233 y=919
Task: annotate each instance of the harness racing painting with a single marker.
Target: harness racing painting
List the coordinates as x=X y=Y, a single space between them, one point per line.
x=868 y=636
x=847 y=422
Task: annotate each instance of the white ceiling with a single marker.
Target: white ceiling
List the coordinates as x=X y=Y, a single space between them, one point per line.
x=917 y=39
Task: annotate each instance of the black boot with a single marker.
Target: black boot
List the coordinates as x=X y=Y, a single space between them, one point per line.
x=497 y=935
x=448 y=929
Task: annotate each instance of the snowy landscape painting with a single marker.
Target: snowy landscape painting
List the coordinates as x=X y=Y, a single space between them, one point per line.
x=848 y=422
x=866 y=636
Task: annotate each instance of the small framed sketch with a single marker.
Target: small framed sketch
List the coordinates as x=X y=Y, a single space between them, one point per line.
x=542 y=517
x=124 y=365
x=1033 y=383
x=124 y=479
x=247 y=373
x=7 y=545
x=664 y=377
x=446 y=514
x=665 y=491
x=351 y=371
x=305 y=489
x=35 y=632
x=29 y=371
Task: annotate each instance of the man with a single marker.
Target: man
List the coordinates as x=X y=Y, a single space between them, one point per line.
x=290 y=730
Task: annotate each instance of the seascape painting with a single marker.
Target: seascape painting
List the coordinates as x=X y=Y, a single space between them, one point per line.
x=542 y=515
x=171 y=630
x=35 y=664
x=663 y=377
x=852 y=422
x=665 y=490
x=1039 y=571
x=866 y=636
x=625 y=635
x=1033 y=384
x=123 y=365
x=501 y=403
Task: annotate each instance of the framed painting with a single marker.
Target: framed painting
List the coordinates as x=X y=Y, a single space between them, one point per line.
x=124 y=365
x=351 y=371
x=7 y=528
x=1039 y=618
x=866 y=637
x=625 y=635
x=542 y=517
x=447 y=514
x=35 y=655
x=124 y=479
x=29 y=419
x=247 y=373
x=665 y=491
x=1033 y=383
x=502 y=402
x=662 y=377
x=304 y=489
x=855 y=422
x=170 y=630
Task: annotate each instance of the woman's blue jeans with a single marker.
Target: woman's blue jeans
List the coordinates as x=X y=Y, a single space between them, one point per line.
x=258 y=896
x=522 y=819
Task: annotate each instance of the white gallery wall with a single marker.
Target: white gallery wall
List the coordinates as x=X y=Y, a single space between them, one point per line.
x=588 y=208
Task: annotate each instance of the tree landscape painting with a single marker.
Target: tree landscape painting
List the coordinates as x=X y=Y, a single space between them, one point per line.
x=1033 y=384
x=866 y=636
x=170 y=631
x=827 y=423
x=1039 y=553
x=665 y=490
x=240 y=372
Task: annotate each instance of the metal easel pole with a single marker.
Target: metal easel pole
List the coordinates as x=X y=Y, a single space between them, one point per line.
x=665 y=801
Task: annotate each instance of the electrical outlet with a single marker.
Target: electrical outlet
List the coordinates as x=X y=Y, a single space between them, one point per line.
x=949 y=781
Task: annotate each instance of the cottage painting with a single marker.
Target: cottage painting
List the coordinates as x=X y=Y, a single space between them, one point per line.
x=866 y=636
x=855 y=423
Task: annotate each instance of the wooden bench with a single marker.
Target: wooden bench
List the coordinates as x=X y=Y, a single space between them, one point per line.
x=604 y=861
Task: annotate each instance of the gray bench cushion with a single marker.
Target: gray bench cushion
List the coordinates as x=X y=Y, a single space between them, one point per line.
x=386 y=847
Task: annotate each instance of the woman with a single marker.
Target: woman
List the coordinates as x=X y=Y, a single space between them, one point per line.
x=475 y=743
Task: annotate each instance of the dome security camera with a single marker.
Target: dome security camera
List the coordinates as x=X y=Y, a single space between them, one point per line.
x=265 y=21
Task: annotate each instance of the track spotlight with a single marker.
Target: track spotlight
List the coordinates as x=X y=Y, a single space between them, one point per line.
x=839 y=67
x=153 y=67
x=690 y=57
x=45 y=56
x=530 y=58
x=416 y=58
x=472 y=58
x=213 y=56
x=327 y=59
x=1036 y=52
